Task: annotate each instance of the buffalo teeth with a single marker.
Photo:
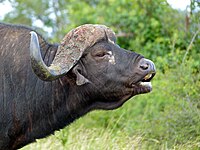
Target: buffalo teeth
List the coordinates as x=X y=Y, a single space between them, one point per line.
x=146 y=84
x=148 y=76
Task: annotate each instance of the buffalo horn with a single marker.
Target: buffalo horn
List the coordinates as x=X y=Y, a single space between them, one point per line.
x=39 y=67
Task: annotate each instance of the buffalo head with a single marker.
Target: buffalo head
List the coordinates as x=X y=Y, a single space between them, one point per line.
x=90 y=56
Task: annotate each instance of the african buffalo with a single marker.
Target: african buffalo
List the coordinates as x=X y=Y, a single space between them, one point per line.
x=44 y=87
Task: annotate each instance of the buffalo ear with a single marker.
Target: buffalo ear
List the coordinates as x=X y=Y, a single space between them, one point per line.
x=80 y=79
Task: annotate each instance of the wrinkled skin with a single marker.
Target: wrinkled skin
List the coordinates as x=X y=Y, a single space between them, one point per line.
x=104 y=78
x=110 y=77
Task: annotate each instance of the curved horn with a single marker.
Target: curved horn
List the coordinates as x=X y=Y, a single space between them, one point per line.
x=69 y=51
x=39 y=67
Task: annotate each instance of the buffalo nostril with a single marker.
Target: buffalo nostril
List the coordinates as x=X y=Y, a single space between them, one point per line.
x=144 y=66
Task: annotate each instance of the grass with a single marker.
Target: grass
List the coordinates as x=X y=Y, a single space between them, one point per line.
x=166 y=119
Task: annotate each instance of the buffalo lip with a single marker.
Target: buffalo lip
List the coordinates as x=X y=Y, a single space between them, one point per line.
x=145 y=84
x=145 y=81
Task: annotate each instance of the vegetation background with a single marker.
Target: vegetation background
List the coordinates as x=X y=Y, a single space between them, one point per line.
x=167 y=118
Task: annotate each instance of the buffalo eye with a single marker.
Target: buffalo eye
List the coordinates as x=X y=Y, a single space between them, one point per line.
x=101 y=50
x=101 y=54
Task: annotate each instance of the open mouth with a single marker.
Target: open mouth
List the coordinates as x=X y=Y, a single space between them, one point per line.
x=146 y=80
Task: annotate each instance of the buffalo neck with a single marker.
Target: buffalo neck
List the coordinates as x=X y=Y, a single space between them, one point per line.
x=57 y=108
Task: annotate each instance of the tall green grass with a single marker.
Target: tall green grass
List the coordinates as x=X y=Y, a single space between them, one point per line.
x=166 y=118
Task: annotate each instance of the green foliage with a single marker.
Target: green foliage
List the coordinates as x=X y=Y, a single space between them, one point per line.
x=167 y=118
